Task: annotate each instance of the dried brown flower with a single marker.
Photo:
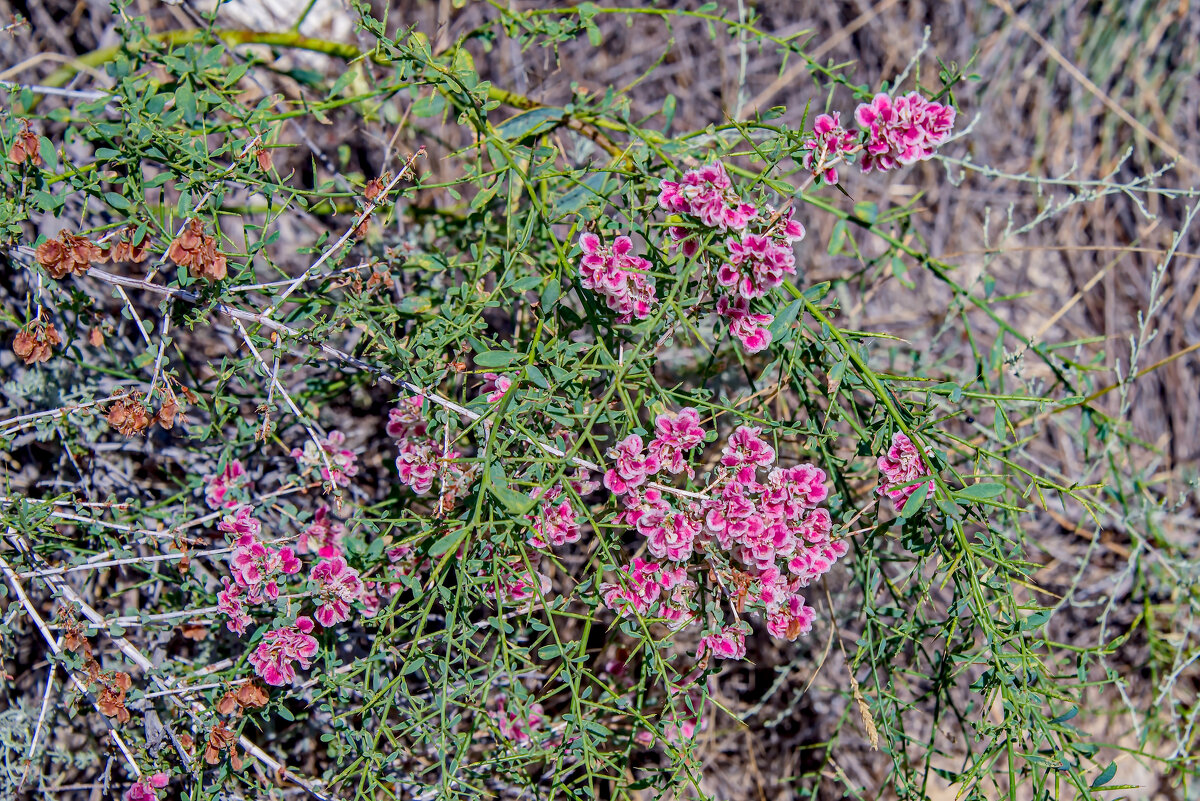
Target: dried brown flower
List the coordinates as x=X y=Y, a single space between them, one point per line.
x=129 y=415
x=25 y=147
x=124 y=249
x=111 y=700
x=252 y=696
x=375 y=186
x=220 y=738
x=263 y=156
x=194 y=631
x=167 y=412
x=96 y=337
x=197 y=251
x=35 y=342
x=68 y=254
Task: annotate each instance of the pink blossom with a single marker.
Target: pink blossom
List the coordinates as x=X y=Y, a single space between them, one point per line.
x=746 y=447
x=728 y=643
x=757 y=264
x=639 y=591
x=747 y=326
x=273 y=657
x=338 y=586
x=218 y=486
x=516 y=726
x=830 y=140
x=902 y=130
x=342 y=461
x=674 y=433
x=407 y=419
x=617 y=276
x=231 y=603
x=417 y=464
x=257 y=566
x=146 y=789
x=556 y=523
x=495 y=386
x=902 y=464
x=707 y=194
x=675 y=538
x=633 y=466
x=240 y=524
x=323 y=535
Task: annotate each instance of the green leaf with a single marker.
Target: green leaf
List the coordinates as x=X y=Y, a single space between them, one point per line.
x=528 y=123
x=1105 y=776
x=587 y=191
x=915 y=501
x=783 y=321
x=446 y=542
x=837 y=238
x=552 y=651
x=429 y=106
x=185 y=101
x=48 y=153
x=116 y=201
x=516 y=502
x=551 y=293
x=497 y=358
x=979 y=492
x=415 y=304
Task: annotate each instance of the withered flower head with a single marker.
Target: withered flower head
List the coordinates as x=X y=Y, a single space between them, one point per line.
x=220 y=738
x=129 y=415
x=124 y=249
x=25 y=147
x=35 y=342
x=252 y=696
x=69 y=253
x=375 y=186
x=111 y=700
x=263 y=156
x=197 y=251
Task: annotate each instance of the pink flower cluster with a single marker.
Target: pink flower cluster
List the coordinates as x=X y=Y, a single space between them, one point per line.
x=147 y=789
x=830 y=143
x=517 y=727
x=256 y=569
x=616 y=275
x=496 y=385
x=342 y=461
x=274 y=657
x=760 y=527
x=422 y=459
x=556 y=522
x=323 y=535
x=338 y=586
x=218 y=486
x=902 y=130
x=759 y=250
x=511 y=581
x=902 y=467
x=706 y=194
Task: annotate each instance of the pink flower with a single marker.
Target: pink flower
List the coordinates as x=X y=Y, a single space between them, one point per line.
x=341 y=460
x=706 y=193
x=747 y=326
x=323 y=535
x=146 y=789
x=338 y=586
x=407 y=419
x=639 y=592
x=746 y=447
x=273 y=657
x=516 y=726
x=633 y=466
x=830 y=140
x=902 y=130
x=495 y=386
x=675 y=538
x=728 y=643
x=230 y=601
x=757 y=264
x=901 y=465
x=233 y=477
x=616 y=276
x=240 y=524
x=675 y=433
x=555 y=523
x=417 y=465
x=256 y=566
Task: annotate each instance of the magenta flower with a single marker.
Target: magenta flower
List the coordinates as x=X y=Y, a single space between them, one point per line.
x=240 y=524
x=746 y=447
x=747 y=326
x=274 y=657
x=903 y=130
x=323 y=535
x=616 y=276
x=517 y=727
x=495 y=386
x=900 y=466
x=407 y=419
x=257 y=566
x=641 y=589
x=218 y=486
x=707 y=194
x=830 y=140
x=342 y=460
x=675 y=433
x=231 y=603
x=757 y=265
x=338 y=586
x=728 y=643
x=147 y=789
x=556 y=522
x=633 y=465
